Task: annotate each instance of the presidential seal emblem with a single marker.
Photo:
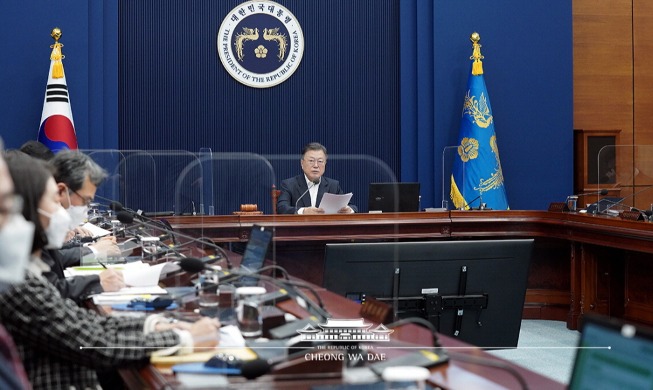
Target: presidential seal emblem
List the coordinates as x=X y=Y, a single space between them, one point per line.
x=260 y=43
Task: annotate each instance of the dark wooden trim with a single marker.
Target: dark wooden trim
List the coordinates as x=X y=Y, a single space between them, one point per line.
x=584 y=256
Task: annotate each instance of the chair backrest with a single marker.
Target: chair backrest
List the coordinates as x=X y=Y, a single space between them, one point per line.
x=275 y=195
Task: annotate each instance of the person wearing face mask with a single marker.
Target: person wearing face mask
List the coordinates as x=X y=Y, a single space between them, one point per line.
x=302 y=194
x=16 y=236
x=50 y=332
x=78 y=177
x=77 y=288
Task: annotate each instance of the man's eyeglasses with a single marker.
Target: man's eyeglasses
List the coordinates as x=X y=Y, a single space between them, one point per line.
x=312 y=162
x=87 y=200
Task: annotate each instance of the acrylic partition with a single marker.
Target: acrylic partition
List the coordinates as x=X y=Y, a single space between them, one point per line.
x=626 y=172
x=208 y=183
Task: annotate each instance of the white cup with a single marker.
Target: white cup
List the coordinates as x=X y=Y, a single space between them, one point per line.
x=248 y=311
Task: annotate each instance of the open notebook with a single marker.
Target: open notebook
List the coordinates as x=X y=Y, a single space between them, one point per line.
x=613 y=355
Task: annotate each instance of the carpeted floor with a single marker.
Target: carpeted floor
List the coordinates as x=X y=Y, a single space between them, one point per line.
x=546 y=347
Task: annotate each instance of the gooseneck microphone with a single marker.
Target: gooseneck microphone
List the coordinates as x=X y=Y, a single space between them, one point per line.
x=127 y=216
x=252 y=369
x=602 y=192
x=607 y=209
x=194 y=265
x=313 y=184
x=472 y=201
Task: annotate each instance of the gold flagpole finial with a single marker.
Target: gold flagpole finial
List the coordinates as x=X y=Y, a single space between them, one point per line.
x=56 y=56
x=477 y=66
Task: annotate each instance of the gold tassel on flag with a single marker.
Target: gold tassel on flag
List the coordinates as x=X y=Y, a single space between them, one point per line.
x=56 y=56
x=477 y=66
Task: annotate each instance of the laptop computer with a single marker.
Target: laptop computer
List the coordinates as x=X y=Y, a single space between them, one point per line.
x=254 y=255
x=613 y=354
x=607 y=203
x=393 y=197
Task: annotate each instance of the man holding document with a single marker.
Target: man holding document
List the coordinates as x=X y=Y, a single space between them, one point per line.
x=305 y=194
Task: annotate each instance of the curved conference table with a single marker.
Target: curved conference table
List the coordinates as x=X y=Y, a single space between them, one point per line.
x=581 y=263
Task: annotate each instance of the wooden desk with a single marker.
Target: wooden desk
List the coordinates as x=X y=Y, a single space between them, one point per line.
x=581 y=263
x=451 y=375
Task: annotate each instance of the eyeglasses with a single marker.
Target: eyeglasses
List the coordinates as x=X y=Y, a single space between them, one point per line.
x=312 y=162
x=87 y=200
x=10 y=204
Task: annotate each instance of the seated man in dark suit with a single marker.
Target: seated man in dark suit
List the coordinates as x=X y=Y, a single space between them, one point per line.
x=297 y=197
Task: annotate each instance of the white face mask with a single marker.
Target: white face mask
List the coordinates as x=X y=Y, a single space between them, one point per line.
x=58 y=227
x=78 y=214
x=16 y=239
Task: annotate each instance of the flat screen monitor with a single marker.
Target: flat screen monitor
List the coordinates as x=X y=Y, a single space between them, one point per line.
x=393 y=197
x=485 y=279
x=613 y=354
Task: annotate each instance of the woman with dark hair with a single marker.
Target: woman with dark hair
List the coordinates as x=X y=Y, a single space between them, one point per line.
x=60 y=343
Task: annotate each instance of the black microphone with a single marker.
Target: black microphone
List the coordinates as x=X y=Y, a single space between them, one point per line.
x=472 y=201
x=118 y=208
x=194 y=265
x=602 y=192
x=87 y=239
x=127 y=217
x=252 y=369
x=314 y=183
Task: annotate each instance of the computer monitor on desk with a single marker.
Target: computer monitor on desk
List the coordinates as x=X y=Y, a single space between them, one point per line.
x=473 y=290
x=393 y=197
x=612 y=354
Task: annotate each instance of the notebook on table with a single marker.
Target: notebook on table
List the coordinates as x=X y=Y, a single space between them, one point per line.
x=613 y=354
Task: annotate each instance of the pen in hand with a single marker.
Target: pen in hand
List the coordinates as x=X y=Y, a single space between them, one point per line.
x=102 y=264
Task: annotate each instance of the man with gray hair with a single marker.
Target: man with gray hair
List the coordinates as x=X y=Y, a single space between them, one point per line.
x=78 y=177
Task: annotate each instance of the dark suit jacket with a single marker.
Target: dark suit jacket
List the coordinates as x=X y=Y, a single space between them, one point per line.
x=293 y=188
x=76 y=288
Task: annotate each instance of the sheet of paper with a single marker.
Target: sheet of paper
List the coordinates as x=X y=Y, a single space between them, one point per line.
x=96 y=230
x=331 y=203
x=97 y=269
x=153 y=290
x=143 y=276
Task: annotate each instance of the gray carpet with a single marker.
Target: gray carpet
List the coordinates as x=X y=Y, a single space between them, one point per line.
x=546 y=347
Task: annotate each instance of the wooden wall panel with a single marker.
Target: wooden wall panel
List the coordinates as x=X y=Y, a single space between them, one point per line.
x=603 y=97
x=643 y=86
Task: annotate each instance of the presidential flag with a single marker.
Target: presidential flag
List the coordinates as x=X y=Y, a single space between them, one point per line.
x=477 y=178
x=57 y=130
